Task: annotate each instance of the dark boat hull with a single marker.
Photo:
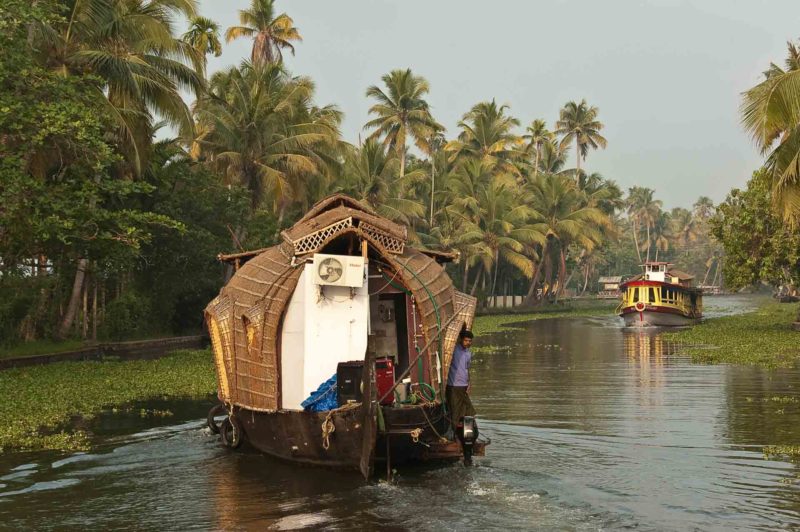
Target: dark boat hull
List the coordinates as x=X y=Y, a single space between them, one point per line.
x=297 y=436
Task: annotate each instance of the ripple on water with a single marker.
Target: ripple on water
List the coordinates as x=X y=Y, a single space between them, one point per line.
x=593 y=427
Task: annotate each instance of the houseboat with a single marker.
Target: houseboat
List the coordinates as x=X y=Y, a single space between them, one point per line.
x=332 y=348
x=661 y=297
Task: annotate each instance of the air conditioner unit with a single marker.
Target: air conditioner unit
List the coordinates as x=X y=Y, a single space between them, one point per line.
x=338 y=270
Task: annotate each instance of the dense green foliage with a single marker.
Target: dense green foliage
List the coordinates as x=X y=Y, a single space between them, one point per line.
x=759 y=245
x=108 y=232
x=763 y=338
x=41 y=403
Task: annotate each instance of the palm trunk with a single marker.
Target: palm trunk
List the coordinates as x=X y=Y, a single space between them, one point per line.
x=578 y=160
x=636 y=239
x=74 y=300
x=402 y=161
x=548 y=278
x=477 y=278
x=707 y=272
x=85 y=311
x=649 y=244
x=536 y=167
x=466 y=273
x=562 y=273
x=94 y=309
x=496 y=268
x=433 y=186
x=530 y=297
x=585 y=279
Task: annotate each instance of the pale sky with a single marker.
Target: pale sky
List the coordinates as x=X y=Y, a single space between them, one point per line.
x=666 y=74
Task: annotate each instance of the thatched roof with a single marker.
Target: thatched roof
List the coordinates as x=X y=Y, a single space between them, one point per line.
x=244 y=320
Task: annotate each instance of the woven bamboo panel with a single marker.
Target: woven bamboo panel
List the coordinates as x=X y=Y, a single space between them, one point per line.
x=314 y=241
x=306 y=227
x=218 y=319
x=390 y=243
x=259 y=291
x=333 y=201
x=465 y=307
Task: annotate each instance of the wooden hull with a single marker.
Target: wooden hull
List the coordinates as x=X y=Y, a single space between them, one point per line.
x=651 y=317
x=297 y=436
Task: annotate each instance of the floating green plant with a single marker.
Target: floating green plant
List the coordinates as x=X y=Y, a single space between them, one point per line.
x=42 y=403
x=763 y=338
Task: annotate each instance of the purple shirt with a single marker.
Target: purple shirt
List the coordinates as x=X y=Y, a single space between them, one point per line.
x=459 y=367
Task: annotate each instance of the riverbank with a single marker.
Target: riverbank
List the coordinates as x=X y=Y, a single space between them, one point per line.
x=762 y=338
x=48 y=407
x=504 y=319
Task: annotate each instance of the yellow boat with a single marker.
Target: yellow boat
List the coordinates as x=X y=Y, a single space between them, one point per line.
x=661 y=297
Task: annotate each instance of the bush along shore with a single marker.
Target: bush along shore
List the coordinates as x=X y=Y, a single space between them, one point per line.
x=42 y=404
x=762 y=338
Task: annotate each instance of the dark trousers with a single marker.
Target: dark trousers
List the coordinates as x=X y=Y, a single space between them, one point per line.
x=458 y=403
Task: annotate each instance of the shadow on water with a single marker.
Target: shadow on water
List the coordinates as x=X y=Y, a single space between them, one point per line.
x=593 y=426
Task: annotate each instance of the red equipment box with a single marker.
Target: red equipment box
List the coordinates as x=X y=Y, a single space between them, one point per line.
x=384 y=379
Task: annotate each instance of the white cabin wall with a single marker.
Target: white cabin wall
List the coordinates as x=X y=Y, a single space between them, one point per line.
x=293 y=347
x=336 y=329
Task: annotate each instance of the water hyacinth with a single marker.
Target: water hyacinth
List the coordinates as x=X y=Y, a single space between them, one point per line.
x=762 y=338
x=42 y=402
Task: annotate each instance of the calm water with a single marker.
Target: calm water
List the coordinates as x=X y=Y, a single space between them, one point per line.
x=593 y=427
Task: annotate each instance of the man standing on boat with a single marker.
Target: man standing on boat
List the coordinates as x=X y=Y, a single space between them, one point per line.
x=457 y=390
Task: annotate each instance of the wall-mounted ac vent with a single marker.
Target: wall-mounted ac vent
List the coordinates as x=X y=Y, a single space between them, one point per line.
x=338 y=270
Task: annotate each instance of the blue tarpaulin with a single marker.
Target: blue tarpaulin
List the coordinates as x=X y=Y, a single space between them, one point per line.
x=324 y=398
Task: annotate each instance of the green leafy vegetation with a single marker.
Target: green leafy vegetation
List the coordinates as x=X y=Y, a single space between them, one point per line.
x=763 y=338
x=43 y=403
x=101 y=220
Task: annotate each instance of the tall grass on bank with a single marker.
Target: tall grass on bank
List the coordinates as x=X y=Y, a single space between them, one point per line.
x=41 y=403
x=763 y=338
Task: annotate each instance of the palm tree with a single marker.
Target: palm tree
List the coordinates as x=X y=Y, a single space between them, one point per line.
x=130 y=45
x=493 y=205
x=684 y=226
x=771 y=114
x=567 y=218
x=372 y=176
x=263 y=132
x=537 y=134
x=643 y=211
x=402 y=112
x=271 y=34
x=142 y=66
x=662 y=233
x=487 y=136
x=203 y=36
x=553 y=157
x=578 y=123
x=703 y=209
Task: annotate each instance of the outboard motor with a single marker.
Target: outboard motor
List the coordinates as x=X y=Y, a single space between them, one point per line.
x=468 y=433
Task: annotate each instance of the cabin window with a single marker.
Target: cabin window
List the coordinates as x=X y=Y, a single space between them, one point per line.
x=652 y=295
x=634 y=294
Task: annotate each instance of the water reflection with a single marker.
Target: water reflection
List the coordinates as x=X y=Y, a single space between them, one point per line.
x=593 y=427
